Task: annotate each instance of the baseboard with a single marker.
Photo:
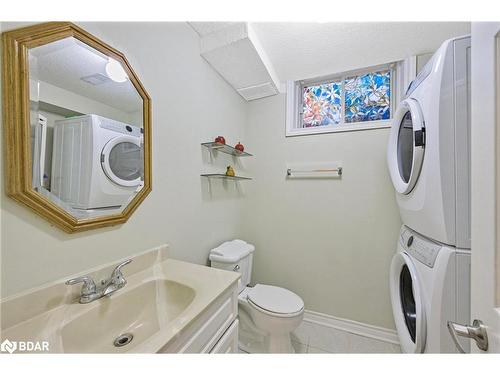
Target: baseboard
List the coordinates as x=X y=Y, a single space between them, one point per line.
x=351 y=326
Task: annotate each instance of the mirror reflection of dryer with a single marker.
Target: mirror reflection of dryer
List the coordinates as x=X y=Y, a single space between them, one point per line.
x=97 y=162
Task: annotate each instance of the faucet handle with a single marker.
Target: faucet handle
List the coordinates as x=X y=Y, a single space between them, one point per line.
x=88 y=286
x=117 y=272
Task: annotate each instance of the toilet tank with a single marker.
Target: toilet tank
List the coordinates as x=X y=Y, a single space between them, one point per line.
x=235 y=255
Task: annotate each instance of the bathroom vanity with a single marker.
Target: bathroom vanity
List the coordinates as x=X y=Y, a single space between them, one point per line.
x=167 y=306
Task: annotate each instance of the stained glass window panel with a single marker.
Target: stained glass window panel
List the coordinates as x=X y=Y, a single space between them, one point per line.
x=368 y=97
x=322 y=104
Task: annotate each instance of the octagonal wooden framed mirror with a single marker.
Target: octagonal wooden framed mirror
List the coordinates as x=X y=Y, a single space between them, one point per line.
x=77 y=127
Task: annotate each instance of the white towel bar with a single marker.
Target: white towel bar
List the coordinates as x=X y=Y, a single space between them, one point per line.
x=290 y=172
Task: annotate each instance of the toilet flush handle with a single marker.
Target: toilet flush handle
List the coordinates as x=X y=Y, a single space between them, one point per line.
x=236 y=268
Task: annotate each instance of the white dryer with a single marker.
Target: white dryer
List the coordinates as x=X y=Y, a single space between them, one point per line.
x=430 y=285
x=97 y=162
x=429 y=147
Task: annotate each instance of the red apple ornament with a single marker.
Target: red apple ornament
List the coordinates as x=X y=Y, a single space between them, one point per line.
x=239 y=147
x=220 y=139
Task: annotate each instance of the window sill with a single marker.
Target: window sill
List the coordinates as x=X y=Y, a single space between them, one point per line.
x=341 y=128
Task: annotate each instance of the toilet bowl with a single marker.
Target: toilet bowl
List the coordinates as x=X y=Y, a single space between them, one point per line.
x=273 y=313
x=267 y=313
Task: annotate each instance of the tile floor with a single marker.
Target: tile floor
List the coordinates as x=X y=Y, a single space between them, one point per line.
x=315 y=338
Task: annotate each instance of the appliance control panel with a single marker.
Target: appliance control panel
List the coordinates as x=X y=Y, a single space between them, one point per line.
x=419 y=248
x=421 y=76
x=120 y=127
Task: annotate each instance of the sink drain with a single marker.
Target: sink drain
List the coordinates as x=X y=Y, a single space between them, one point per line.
x=123 y=340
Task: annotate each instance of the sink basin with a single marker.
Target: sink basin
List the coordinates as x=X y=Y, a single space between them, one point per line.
x=138 y=313
x=153 y=313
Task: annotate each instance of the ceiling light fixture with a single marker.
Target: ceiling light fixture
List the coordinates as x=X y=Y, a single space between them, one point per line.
x=115 y=71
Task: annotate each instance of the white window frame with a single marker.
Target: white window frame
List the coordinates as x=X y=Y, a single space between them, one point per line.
x=402 y=72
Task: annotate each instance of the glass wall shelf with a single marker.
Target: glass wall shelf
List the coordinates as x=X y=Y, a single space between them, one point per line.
x=225 y=177
x=225 y=149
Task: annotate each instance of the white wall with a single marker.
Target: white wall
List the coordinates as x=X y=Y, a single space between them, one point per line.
x=330 y=241
x=191 y=104
x=63 y=98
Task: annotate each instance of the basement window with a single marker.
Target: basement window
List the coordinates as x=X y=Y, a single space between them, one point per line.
x=355 y=100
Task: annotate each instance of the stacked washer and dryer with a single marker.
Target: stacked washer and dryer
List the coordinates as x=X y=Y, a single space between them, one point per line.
x=429 y=163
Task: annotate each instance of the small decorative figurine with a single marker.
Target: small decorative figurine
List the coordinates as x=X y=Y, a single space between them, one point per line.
x=230 y=171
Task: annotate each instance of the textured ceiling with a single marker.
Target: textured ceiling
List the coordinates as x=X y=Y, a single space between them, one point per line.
x=205 y=28
x=65 y=62
x=306 y=50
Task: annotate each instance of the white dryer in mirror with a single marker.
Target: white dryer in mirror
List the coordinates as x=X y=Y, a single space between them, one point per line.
x=105 y=171
x=429 y=147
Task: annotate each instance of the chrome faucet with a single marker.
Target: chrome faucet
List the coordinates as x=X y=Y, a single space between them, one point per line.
x=90 y=292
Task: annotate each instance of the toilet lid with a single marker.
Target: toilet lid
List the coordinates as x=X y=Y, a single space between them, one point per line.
x=275 y=299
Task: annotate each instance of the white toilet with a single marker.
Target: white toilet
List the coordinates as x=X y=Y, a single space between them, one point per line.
x=268 y=314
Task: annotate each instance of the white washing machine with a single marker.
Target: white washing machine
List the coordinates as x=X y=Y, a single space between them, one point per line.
x=97 y=162
x=429 y=148
x=430 y=285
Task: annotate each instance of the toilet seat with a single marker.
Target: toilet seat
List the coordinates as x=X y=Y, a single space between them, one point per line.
x=275 y=301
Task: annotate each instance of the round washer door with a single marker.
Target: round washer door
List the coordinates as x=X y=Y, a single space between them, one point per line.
x=407 y=305
x=405 y=152
x=121 y=160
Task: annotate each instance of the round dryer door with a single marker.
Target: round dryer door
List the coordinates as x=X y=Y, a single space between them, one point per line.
x=122 y=161
x=407 y=304
x=405 y=152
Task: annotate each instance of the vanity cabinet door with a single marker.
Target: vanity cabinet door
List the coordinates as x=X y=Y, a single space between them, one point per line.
x=228 y=343
x=209 y=328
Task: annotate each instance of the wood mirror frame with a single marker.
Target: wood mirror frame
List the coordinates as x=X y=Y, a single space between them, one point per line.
x=16 y=122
